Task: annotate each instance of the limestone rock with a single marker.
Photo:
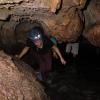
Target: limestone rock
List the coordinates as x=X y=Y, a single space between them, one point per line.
x=4 y=15
x=9 y=1
x=93 y=34
x=92 y=23
x=18 y=81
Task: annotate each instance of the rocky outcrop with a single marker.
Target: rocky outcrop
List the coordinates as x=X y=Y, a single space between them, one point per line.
x=25 y=6
x=10 y=1
x=93 y=34
x=62 y=19
x=18 y=81
x=92 y=23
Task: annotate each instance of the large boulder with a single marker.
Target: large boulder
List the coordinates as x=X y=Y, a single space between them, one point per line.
x=18 y=81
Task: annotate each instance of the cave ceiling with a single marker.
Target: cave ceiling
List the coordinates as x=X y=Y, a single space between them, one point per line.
x=63 y=19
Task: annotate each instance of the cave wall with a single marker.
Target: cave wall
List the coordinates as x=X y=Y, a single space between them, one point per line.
x=66 y=20
x=92 y=23
x=63 y=19
x=18 y=80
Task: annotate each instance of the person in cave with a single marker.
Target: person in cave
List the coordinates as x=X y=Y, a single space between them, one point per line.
x=42 y=47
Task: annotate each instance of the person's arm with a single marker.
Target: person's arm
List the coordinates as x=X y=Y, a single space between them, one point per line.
x=55 y=48
x=23 y=52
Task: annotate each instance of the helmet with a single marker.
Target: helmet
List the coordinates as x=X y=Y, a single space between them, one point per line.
x=35 y=34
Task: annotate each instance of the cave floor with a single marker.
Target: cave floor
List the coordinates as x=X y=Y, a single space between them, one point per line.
x=72 y=83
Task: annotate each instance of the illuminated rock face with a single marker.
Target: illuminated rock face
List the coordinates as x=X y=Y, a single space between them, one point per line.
x=10 y=1
x=62 y=19
x=18 y=81
x=25 y=6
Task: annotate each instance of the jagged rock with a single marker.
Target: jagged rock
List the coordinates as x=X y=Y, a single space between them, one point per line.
x=18 y=81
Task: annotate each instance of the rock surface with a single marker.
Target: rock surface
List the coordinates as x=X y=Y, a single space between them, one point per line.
x=58 y=16
x=92 y=23
x=18 y=81
x=64 y=19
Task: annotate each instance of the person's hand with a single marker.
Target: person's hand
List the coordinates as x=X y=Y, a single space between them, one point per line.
x=17 y=56
x=63 y=61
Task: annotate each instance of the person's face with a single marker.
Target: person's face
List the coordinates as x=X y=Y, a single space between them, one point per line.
x=38 y=43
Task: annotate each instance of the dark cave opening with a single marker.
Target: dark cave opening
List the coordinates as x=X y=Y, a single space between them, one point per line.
x=78 y=79
x=80 y=76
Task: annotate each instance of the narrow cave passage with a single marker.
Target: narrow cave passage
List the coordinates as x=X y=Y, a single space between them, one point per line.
x=66 y=20
x=77 y=80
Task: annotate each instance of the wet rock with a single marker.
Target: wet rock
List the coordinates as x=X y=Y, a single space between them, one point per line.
x=18 y=81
